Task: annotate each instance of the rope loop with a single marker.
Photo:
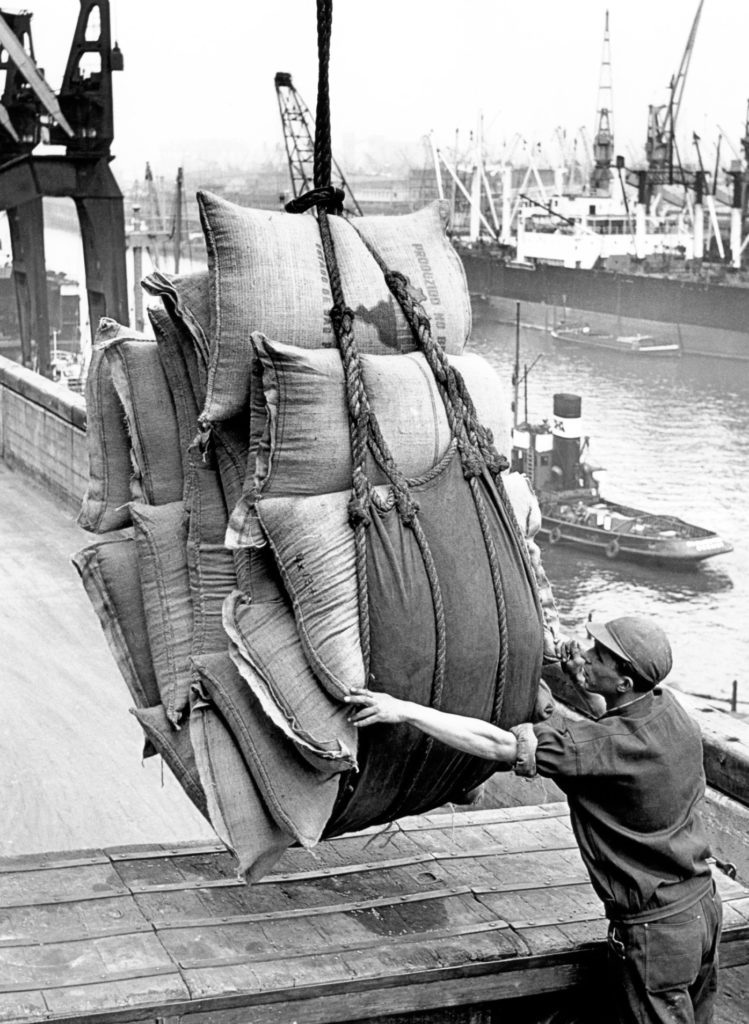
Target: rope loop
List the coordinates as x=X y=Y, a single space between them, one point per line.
x=328 y=197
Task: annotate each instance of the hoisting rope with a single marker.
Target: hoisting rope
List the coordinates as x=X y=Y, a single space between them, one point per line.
x=474 y=443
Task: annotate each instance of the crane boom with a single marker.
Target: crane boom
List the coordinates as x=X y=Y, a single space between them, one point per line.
x=10 y=42
x=298 y=135
x=661 y=140
x=677 y=88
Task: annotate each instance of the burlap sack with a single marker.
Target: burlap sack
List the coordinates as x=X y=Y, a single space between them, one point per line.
x=313 y=546
x=105 y=503
x=161 y=543
x=172 y=356
x=142 y=388
x=299 y=798
x=175 y=748
x=267 y=273
x=235 y=806
x=109 y=573
x=211 y=567
x=266 y=650
x=186 y=299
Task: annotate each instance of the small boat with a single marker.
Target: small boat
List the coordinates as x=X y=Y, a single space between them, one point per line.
x=639 y=344
x=619 y=531
x=573 y=511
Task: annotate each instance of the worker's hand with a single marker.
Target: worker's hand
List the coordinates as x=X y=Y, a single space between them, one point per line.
x=525 y=760
x=374 y=708
x=572 y=660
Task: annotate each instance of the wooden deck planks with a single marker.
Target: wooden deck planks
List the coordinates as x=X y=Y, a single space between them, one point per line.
x=392 y=920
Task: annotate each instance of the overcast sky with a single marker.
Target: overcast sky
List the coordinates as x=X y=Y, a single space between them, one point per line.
x=199 y=72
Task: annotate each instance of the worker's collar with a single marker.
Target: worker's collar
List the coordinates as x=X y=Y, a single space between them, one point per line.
x=636 y=706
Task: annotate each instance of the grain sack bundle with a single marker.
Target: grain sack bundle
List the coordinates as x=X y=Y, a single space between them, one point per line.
x=490 y=615
x=251 y=647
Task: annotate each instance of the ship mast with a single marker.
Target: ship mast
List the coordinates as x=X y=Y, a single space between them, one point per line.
x=603 y=142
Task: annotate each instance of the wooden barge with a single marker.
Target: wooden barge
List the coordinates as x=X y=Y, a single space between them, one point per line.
x=446 y=917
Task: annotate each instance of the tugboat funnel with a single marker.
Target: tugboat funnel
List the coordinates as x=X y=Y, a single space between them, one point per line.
x=567 y=432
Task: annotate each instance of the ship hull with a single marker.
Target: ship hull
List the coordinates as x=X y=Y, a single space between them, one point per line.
x=703 y=319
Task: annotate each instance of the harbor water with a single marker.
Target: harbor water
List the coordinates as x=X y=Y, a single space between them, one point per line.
x=673 y=436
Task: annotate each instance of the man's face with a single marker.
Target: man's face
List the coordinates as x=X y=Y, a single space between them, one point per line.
x=601 y=672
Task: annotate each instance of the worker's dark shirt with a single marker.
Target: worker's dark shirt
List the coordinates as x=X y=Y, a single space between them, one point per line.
x=633 y=780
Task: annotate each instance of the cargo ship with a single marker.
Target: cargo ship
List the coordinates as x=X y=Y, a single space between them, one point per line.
x=654 y=250
x=705 y=316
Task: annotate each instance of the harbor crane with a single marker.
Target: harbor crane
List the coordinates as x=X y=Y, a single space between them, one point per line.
x=603 y=141
x=660 y=147
x=80 y=118
x=299 y=139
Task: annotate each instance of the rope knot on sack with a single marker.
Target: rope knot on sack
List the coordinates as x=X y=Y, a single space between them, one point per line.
x=402 y=289
x=342 y=318
x=471 y=460
x=408 y=507
x=358 y=512
x=327 y=197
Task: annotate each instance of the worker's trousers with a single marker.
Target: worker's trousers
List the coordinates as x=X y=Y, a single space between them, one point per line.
x=667 y=970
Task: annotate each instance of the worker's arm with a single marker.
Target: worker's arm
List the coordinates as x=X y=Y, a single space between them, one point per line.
x=470 y=735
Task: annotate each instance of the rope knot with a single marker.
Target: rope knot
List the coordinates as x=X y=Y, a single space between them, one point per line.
x=408 y=508
x=401 y=287
x=471 y=461
x=328 y=197
x=342 y=318
x=358 y=512
x=496 y=463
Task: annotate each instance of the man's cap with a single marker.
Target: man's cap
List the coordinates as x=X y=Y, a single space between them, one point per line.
x=639 y=642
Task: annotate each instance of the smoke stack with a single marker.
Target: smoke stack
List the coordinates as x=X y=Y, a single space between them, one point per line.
x=567 y=432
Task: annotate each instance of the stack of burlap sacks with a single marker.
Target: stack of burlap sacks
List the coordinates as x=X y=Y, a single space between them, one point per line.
x=220 y=475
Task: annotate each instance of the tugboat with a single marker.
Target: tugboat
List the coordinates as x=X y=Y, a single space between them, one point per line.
x=573 y=511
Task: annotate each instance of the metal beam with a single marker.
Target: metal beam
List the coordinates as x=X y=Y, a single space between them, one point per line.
x=90 y=183
x=26 y=224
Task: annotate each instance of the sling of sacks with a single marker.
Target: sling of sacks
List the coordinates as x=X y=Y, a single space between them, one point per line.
x=225 y=575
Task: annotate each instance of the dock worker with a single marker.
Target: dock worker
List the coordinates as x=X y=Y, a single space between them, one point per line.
x=634 y=780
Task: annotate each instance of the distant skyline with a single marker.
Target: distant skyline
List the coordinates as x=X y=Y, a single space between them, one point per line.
x=198 y=78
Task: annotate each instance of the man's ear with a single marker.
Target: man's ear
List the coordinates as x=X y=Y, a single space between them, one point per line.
x=625 y=684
